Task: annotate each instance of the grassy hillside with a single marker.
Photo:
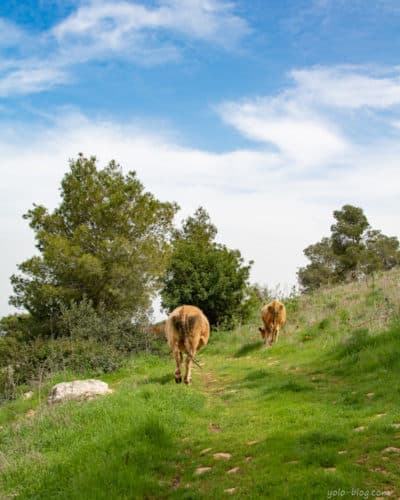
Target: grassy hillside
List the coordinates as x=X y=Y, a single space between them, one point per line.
x=316 y=416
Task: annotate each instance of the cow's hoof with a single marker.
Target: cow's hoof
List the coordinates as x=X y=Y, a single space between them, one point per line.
x=178 y=380
x=187 y=382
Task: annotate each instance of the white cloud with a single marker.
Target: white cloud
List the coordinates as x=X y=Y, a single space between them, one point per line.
x=109 y=24
x=300 y=134
x=97 y=30
x=349 y=88
x=307 y=121
x=34 y=77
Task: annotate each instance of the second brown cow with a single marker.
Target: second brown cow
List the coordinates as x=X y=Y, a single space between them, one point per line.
x=273 y=316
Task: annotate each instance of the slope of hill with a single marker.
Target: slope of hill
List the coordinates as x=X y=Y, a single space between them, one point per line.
x=316 y=416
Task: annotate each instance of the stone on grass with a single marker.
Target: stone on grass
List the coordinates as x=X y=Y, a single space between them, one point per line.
x=391 y=449
x=224 y=456
x=78 y=390
x=235 y=470
x=202 y=470
x=203 y=452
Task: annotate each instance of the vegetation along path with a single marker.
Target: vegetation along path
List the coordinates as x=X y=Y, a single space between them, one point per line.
x=316 y=416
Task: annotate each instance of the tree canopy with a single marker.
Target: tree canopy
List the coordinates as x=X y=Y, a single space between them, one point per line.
x=205 y=273
x=353 y=250
x=107 y=241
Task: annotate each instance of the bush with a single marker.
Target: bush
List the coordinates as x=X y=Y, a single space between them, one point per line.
x=87 y=342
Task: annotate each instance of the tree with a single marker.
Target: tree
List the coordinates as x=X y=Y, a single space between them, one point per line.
x=107 y=242
x=206 y=274
x=381 y=252
x=348 y=240
x=352 y=251
x=321 y=269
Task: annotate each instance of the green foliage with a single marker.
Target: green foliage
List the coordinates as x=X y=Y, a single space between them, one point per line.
x=353 y=250
x=91 y=341
x=381 y=252
x=347 y=240
x=108 y=240
x=207 y=274
x=21 y=327
x=321 y=270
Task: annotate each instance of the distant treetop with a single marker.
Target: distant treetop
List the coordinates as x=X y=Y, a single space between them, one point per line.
x=353 y=250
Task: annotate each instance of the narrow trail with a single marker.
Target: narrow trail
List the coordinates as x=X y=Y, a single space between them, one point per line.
x=251 y=397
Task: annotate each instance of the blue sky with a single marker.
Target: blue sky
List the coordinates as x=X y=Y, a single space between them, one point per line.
x=269 y=113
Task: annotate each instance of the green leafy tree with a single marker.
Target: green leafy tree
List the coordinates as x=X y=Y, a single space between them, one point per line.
x=206 y=274
x=352 y=251
x=381 y=252
x=348 y=240
x=107 y=241
x=321 y=269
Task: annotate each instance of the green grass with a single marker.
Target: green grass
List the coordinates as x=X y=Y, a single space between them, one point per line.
x=305 y=419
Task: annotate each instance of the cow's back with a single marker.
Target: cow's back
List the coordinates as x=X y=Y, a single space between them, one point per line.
x=274 y=313
x=187 y=327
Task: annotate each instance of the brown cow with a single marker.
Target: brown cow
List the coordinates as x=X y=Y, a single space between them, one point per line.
x=273 y=316
x=187 y=330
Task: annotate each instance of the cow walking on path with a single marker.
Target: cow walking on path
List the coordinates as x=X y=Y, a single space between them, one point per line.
x=187 y=330
x=273 y=316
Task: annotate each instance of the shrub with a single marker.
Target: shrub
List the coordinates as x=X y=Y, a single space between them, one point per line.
x=88 y=342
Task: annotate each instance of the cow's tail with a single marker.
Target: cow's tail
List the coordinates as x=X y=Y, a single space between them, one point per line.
x=184 y=324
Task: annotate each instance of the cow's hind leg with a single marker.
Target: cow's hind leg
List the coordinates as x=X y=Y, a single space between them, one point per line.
x=178 y=359
x=188 y=374
x=270 y=337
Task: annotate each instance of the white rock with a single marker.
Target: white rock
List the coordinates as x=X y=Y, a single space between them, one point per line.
x=27 y=395
x=78 y=390
x=202 y=470
x=224 y=456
